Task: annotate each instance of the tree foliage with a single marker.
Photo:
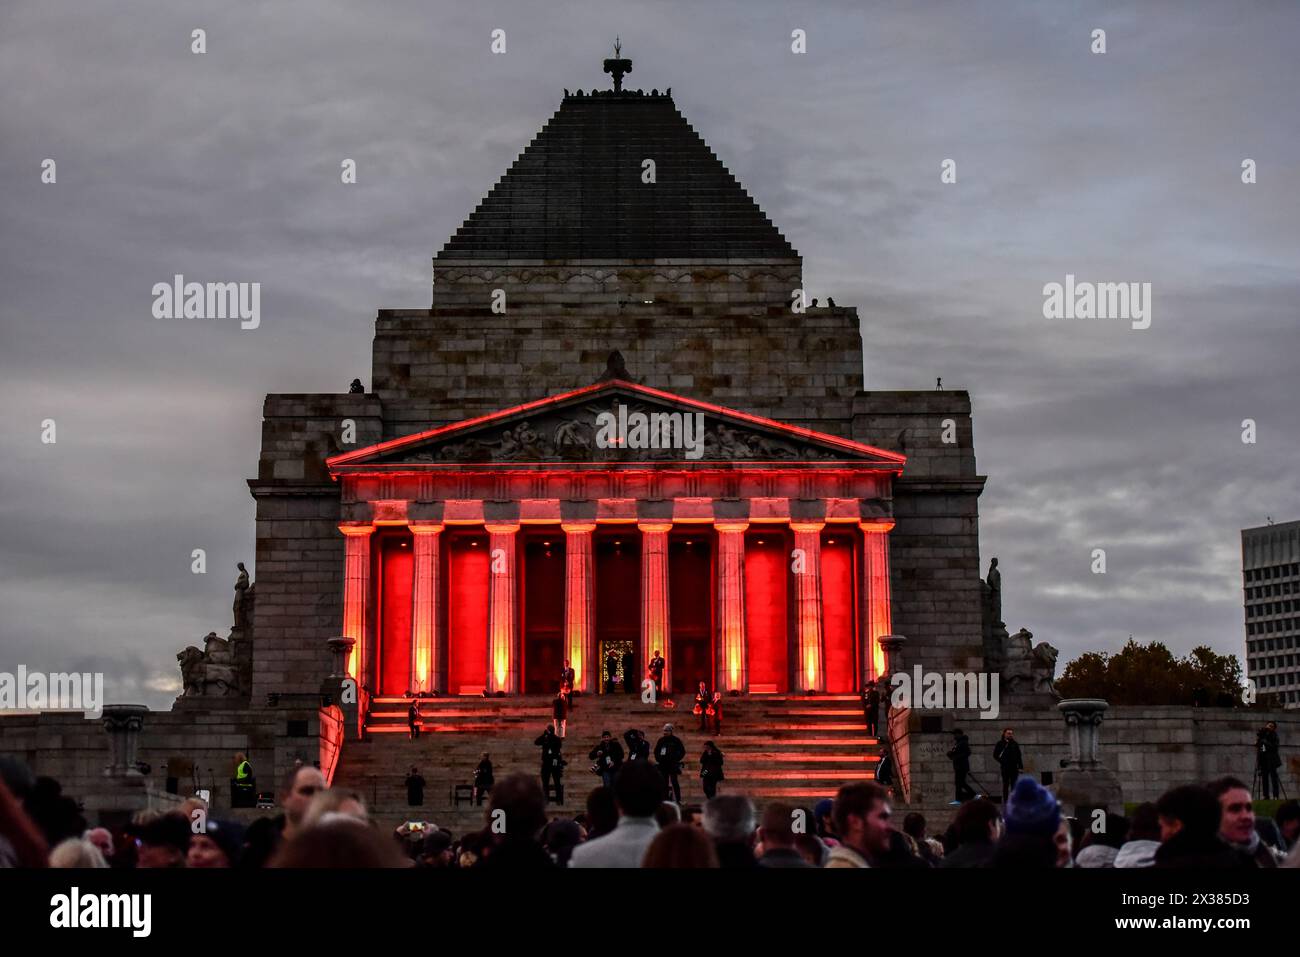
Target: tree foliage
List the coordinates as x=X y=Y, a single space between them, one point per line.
x=1152 y=675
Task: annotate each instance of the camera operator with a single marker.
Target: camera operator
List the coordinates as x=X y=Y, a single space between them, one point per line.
x=608 y=756
x=1267 y=760
x=552 y=762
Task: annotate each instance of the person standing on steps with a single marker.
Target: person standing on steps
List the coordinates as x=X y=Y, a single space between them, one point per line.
x=611 y=671
x=959 y=755
x=710 y=769
x=871 y=702
x=608 y=756
x=552 y=763
x=638 y=748
x=629 y=670
x=413 y=720
x=702 y=699
x=567 y=677
x=714 y=713
x=656 y=671
x=560 y=712
x=1007 y=754
x=482 y=778
x=414 y=787
x=669 y=754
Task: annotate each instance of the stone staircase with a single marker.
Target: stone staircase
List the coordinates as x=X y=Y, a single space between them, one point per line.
x=778 y=747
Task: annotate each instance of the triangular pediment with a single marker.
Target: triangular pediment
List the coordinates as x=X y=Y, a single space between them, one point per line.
x=614 y=421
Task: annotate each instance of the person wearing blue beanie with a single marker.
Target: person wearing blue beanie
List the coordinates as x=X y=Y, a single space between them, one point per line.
x=1032 y=809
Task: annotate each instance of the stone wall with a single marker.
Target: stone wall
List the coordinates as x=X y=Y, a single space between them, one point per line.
x=722 y=333
x=299 y=566
x=934 y=549
x=1151 y=749
x=74 y=749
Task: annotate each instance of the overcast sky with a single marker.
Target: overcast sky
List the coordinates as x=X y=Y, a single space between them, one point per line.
x=1117 y=167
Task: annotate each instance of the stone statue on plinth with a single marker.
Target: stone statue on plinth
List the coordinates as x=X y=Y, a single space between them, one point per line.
x=1024 y=668
x=994 y=583
x=223 y=668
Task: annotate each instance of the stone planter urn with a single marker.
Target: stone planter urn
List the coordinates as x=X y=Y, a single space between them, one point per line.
x=122 y=723
x=1085 y=784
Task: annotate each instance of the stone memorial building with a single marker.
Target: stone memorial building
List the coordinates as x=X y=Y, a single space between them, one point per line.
x=468 y=523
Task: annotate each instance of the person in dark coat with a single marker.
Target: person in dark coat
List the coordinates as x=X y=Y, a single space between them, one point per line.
x=611 y=670
x=1269 y=760
x=1007 y=754
x=710 y=769
x=552 y=762
x=976 y=829
x=959 y=755
x=1189 y=832
x=714 y=712
x=702 y=699
x=885 y=769
x=560 y=714
x=669 y=754
x=871 y=704
x=482 y=778
x=638 y=748
x=608 y=756
x=413 y=720
x=414 y=787
x=567 y=677
x=629 y=671
x=656 y=672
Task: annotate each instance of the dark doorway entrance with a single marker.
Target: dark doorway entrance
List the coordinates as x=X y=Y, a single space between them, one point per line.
x=690 y=608
x=395 y=584
x=766 y=610
x=466 y=600
x=620 y=650
x=543 y=613
x=617 y=560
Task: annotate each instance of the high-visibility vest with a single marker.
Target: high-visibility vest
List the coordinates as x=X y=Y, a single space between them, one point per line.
x=243 y=772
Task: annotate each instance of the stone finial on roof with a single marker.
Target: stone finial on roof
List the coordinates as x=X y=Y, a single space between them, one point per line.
x=618 y=66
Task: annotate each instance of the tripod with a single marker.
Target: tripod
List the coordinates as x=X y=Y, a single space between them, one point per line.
x=1260 y=776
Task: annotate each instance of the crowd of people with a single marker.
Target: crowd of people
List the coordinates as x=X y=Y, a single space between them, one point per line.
x=632 y=820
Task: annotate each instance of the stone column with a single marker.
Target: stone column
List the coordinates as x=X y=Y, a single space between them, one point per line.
x=428 y=646
x=123 y=723
x=875 y=595
x=356 y=584
x=579 y=605
x=810 y=649
x=503 y=610
x=654 y=598
x=732 y=667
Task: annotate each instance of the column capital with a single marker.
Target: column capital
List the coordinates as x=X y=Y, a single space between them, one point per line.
x=731 y=526
x=807 y=526
x=577 y=528
x=357 y=529
x=501 y=528
x=655 y=526
x=426 y=528
x=879 y=525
